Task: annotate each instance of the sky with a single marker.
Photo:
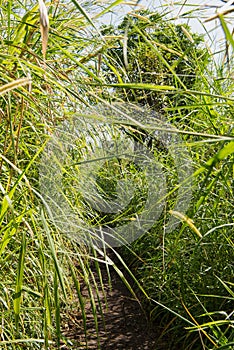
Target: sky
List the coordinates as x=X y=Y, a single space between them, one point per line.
x=197 y=12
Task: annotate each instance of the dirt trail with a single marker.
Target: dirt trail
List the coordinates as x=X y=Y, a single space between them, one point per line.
x=126 y=326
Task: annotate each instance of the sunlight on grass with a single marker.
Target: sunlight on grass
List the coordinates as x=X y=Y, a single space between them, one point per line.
x=182 y=277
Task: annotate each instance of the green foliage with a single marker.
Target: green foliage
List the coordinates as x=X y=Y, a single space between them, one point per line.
x=152 y=50
x=156 y=63
x=177 y=270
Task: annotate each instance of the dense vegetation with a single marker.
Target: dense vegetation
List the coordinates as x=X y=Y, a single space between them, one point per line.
x=154 y=51
x=183 y=271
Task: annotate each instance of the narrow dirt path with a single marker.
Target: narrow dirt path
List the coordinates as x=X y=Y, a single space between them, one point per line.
x=126 y=326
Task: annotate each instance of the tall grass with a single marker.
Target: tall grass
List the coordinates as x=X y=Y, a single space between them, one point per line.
x=186 y=280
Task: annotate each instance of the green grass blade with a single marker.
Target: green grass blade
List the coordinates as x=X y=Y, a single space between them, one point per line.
x=142 y=86
x=109 y=8
x=19 y=281
x=54 y=254
x=228 y=34
x=57 y=309
x=80 y=297
x=86 y=15
x=69 y=55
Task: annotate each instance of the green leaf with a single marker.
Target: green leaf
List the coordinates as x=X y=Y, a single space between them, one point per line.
x=228 y=34
x=108 y=8
x=54 y=254
x=86 y=15
x=225 y=151
x=142 y=86
x=19 y=280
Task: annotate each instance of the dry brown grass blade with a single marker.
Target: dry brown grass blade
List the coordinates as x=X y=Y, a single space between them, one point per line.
x=44 y=26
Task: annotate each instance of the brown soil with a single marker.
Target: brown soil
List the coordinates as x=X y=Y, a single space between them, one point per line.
x=126 y=326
